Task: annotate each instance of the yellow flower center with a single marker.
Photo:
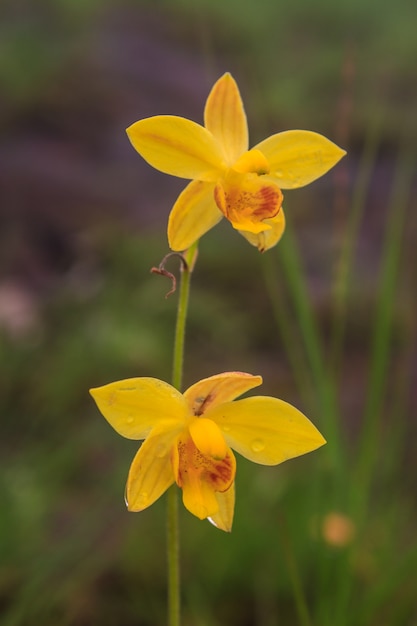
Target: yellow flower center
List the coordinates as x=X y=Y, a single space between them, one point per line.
x=246 y=199
x=208 y=437
x=252 y=161
x=202 y=464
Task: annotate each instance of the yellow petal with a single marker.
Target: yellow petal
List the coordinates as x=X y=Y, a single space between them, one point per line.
x=268 y=238
x=135 y=405
x=218 y=389
x=201 y=476
x=177 y=146
x=225 y=118
x=208 y=438
x=151 y=472
x=223 y=519
x=248 y=200
x=193 y=214
x=266 y=430
x=297 y=157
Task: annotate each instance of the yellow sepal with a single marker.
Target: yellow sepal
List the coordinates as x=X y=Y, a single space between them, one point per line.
x=135 y=405
x=177 y=146
x=297 y=157
x=151 y=472
x=266 y=430
x=225 y=118
x=193 y=214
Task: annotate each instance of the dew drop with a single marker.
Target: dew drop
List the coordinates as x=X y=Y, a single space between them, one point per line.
x=130 y=419
x=211 y=520
x=257 y=445
x=226 y=428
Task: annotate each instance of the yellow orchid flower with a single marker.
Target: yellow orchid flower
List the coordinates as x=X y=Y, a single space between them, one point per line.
x=227 y=178
x=188 y=438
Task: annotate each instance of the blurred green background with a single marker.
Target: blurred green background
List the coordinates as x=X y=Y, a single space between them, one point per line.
x=328 y=318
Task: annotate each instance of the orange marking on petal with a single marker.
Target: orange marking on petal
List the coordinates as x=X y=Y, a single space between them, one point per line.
x=246 y=201
x=226 y=387
x=195 y=467
x=202 y=402
x=269 y=200
x=220 y=199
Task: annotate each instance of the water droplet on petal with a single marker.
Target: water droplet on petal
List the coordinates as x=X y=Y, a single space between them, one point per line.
x=211 y=520
x=130 y=419
x=257 y=445
x=226 y=428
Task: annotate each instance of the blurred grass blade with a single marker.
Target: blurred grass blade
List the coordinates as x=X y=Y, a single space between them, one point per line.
x=367 y=466
x=285 y=323
x=381 y=339
x=329 y=411
x=344 y=268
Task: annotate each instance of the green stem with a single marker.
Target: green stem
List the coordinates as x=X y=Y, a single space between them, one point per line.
x=172 y=510
x=178 y=359
x=173 y=550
